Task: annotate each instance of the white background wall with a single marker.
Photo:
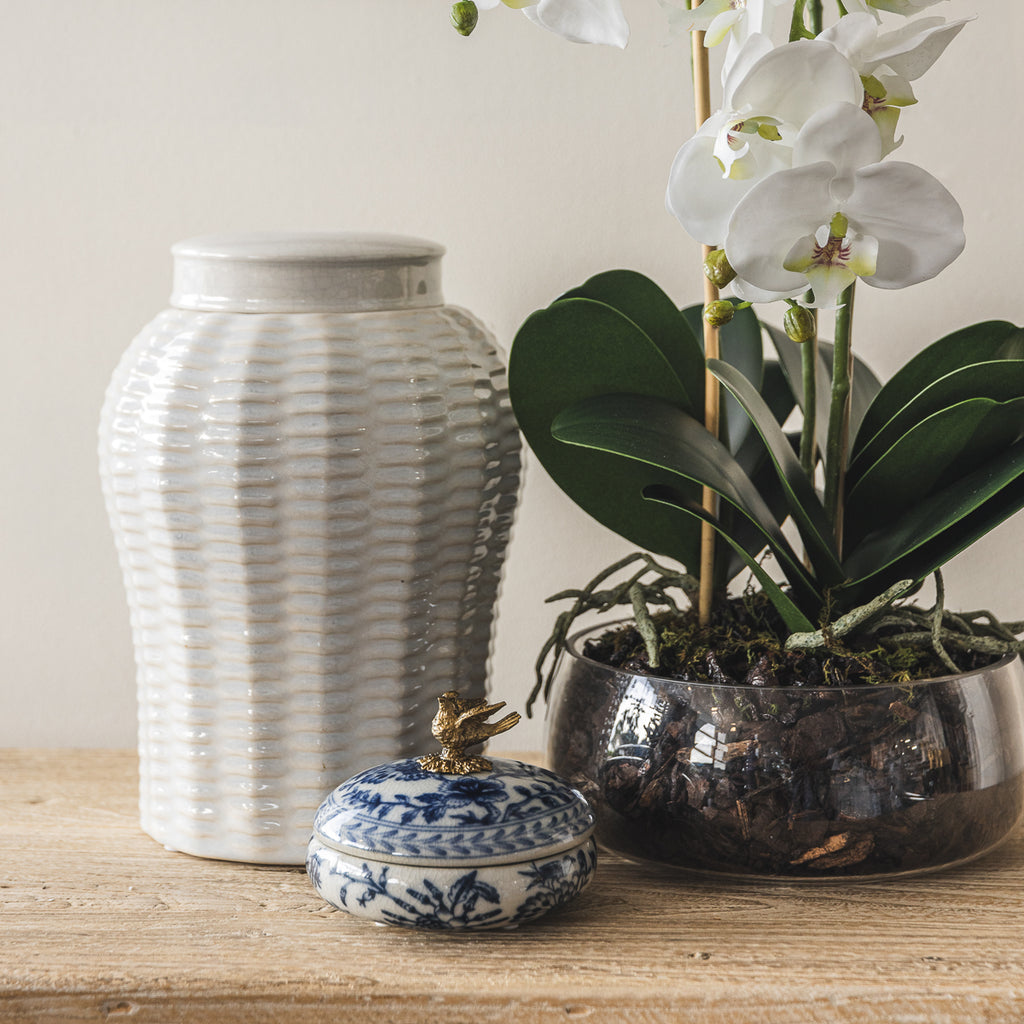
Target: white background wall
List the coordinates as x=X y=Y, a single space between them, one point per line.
x=129 y=124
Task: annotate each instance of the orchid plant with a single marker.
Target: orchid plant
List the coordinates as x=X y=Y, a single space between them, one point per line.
x=794 y=191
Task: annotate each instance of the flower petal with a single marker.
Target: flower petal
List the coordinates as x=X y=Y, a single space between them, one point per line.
x=886 y=119
x=843 y=135
x=918 y=223
x=701 y=16
x=828 y=283
x=853 y=36
x=908 y=8
x=746 y=292
x=702 y=198
x=755 y=47
x=721 y=26
x=794 y=80
x=908 y=51
x=583 y=21
x=862 y=7
x=911 y=50
x=774 y=215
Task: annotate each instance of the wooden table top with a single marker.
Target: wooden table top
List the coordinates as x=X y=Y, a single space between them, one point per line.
x=99 y=922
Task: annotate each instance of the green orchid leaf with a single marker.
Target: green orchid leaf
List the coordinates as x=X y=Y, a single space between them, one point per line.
x=740 y=344
x=802 y=499
x=864 y=385
x=934 y=521
x=639 y=299
x=647 y=430
x=792 y=616
x=577 y=349
x=934 y=453
x=780 y=401
x=753 y=459
x=1001 y=380
x=766 y=482
x=776 y=392
x=929 y=557
x=983 y=342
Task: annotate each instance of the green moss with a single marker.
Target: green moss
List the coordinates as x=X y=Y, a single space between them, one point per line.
x=744 y=643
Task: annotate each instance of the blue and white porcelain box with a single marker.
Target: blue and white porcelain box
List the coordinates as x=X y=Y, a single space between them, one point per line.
x=403 y=844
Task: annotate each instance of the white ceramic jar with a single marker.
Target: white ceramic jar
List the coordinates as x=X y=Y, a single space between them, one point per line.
x=311 y=468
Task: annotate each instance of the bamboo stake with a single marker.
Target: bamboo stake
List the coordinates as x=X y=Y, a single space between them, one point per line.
x=712 y=392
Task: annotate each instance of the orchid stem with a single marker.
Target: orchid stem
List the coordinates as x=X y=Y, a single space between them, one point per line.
x=809 y=376
x=796 y=25
x=798 y=29
x=712 y=393
x=838 y=442
x=814 y=16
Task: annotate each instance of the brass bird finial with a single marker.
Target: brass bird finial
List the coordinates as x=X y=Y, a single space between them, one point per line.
x=459 y=724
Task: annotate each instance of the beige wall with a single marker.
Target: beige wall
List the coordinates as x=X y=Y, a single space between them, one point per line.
x=129 y=124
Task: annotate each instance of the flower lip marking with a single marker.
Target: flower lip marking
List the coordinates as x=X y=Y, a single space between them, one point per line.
x=832 y=258
x=836 y=251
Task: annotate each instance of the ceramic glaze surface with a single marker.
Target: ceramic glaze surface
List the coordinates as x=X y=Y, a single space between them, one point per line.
x=306 y=273
x=399 y=811
x=311 y=511
x=450 y=898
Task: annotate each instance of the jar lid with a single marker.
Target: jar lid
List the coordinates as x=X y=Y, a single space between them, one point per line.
x=306 y=273
x=402 y=812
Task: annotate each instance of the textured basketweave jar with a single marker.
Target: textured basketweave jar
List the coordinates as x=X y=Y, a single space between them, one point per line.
x=311 y=467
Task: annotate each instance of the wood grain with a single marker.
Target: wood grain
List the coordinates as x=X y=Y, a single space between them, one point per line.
x=98 y=922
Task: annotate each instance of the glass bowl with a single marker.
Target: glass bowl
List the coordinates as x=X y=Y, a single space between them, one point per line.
x=793 y=782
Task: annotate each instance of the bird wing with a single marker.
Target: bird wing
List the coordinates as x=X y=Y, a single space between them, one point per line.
x=484 y=711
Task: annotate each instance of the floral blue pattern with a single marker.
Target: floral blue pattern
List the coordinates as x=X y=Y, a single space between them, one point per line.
x=468 y=900
x=401 y=810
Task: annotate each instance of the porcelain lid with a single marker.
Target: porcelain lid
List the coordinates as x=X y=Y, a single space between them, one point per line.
x=400 y=812
x=306 y=273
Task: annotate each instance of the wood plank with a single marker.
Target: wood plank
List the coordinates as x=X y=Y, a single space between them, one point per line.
x=98 y=922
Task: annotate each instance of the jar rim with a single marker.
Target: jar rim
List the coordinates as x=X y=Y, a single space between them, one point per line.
x=350 y=247
x=306 y=272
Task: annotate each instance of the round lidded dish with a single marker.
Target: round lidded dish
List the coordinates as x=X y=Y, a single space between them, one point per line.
x=437 y=848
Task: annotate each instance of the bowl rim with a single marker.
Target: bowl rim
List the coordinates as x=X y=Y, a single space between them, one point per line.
x=573 y=643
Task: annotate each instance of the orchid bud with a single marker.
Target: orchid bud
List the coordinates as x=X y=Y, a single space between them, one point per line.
x=799 y=324
x=717 y=269
x=464 y=17
x=719 y=313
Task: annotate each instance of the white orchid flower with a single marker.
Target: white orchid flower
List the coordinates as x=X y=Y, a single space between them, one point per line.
x=768 y=96
x=839 y=214
x=580 y=21
x=735 y=20
x=721 y=20
x=889 y=61
x=908 y=8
